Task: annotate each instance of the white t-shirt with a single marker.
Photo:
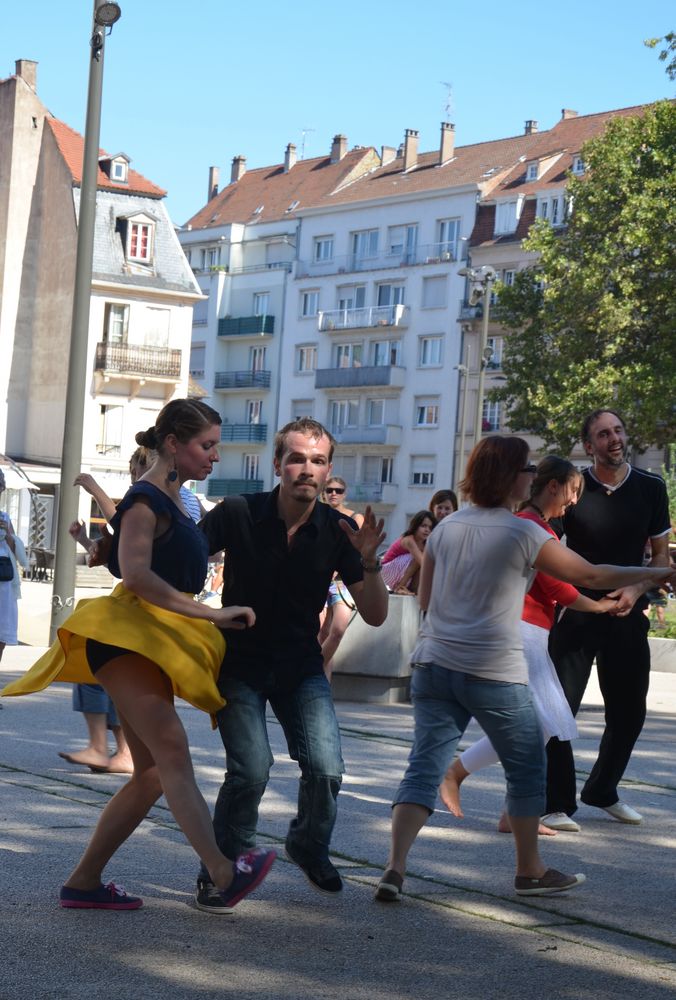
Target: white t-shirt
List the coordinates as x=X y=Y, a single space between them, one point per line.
x=483 y=566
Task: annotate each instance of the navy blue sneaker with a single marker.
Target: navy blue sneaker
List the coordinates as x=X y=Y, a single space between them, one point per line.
x=106 y=897
x=249 y=871
x=321 y=875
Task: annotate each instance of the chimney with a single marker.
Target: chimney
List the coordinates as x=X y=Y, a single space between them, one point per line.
x=447 y=144
x=27 y=69
x=238 y=168
x=289 y=157
x=214 y=174
x=567 y=113
x=387 y=154
x=410 y=148
x=338 y=148
x=530 y=127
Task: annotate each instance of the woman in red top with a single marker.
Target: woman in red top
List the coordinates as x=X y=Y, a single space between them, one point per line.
x=403 y=559
x=556 y=485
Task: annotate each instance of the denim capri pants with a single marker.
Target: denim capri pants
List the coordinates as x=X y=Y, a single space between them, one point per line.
x=92 y=699
x=444 y=701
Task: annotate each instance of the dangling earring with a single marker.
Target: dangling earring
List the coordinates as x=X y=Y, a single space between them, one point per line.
x=172 y=475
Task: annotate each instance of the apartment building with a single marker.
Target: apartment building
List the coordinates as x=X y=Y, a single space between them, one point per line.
x=140 y=311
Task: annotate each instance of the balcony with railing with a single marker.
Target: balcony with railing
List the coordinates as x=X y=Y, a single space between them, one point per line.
x=246 y=326
x=428 y=253
x=244 y=433
x=137 y=361
x=356 y=378
x=363 y=319
x=242 y=380
x=382 y=493
x=386 y=434
x=468 y=313
x=217 y=488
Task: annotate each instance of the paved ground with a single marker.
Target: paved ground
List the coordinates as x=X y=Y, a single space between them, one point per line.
x=459 y=931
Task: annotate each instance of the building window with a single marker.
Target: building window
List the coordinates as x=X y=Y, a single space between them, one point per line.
x=507 y=215
x=434 y=292
x=261 y=304
x=306 y=358
x=365 y=244
x=578 y=165
x=422 y=470
x=257 y=359
x=448 y=237
x=386 y=352
x=197 y=360
x=323 y=249
x=110 y=430
x=352 y=296
x=347 y=356
x=427 y=411
x=118 y=171
x=301 y=408
x=490 y=418
x=309 y=303
x=391 y=295
x=157 y=327
x=532 y=171
x=376 y=470
x=115 y=323
x=495 y=360
x=375 y=412
x=140 y=244
x=250 y=466
x=552 y=209
x=254 y=411
x=401 y=241
x=429 y=352
x=343 y=413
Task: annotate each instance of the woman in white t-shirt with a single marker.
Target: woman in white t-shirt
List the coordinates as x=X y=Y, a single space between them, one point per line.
x=469 y=661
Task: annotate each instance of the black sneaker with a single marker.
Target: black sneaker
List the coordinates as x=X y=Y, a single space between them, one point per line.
x=249 y=870
x=209 y=899
x=321 y=875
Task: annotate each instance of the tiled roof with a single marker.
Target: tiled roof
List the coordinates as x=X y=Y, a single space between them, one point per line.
x=71 y=146
x=306 y=183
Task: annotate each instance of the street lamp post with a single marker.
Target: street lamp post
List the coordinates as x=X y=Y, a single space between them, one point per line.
x=463 y=373
x=481 y=281
x=105 y=15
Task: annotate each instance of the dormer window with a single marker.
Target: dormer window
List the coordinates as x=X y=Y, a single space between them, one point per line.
x=507 y=215
x=138 y=237
x=532 y=171
x=116 y=167
x=578 y=165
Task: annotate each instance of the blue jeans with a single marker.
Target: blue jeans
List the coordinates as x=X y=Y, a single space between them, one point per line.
x=310 y=726
x=444 y=701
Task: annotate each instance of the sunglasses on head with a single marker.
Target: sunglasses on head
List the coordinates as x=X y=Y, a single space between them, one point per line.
x=530 y=468
x=334 y=489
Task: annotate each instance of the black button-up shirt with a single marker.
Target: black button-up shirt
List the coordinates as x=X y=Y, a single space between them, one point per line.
x=285 y=585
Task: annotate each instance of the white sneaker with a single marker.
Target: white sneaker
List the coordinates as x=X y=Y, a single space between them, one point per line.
x=623 y=813
x=560 y=821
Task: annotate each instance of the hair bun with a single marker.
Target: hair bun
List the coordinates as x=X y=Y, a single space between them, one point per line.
x=147 y=439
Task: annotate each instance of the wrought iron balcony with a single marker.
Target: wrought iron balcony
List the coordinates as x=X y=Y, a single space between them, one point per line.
x=468 y=312
x=242 y=380
x=138 y=361
x=246 y=326
x=232 y=487
x=355 y=378
x=253 y=433
x=363 y=319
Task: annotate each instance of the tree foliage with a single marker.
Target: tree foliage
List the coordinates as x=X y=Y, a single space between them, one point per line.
x=594 y=322
x=669 y=42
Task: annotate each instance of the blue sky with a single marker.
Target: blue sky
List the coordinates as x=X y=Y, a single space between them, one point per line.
x=191 y=83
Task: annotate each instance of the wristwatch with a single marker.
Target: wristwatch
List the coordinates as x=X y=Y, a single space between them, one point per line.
x=372 y=567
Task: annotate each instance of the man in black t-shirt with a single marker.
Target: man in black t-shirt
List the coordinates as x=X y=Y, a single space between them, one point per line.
x=282 y=549
x=620 y=509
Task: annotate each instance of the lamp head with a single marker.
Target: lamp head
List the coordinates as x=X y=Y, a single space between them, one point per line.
x=106 y=14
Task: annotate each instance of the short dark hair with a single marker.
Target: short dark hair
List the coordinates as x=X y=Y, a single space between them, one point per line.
x=183 y=417
x=594 y=415
x=304 y=425
x=417 y=520
x=492 y=469
x=441 y=496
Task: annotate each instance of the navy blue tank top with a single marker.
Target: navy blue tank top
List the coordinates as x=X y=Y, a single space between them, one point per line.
x=179 y=555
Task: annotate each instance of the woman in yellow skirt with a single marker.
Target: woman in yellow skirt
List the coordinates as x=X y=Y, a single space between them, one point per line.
x=165 y=643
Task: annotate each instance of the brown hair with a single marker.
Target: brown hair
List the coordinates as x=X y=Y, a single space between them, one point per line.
x=183 y=417
x=553 y=467
x=304 y=425
x=417 y=520
x=594 y=415
x=492 y=469
x=440 y=496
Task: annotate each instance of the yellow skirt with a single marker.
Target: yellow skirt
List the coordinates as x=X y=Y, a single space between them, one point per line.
x=188 y=650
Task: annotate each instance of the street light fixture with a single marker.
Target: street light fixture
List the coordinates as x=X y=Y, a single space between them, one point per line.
x=104 y=16
x=481 y=281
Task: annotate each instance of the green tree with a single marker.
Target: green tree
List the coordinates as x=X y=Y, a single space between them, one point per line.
x=594 y=322
x=669 y=42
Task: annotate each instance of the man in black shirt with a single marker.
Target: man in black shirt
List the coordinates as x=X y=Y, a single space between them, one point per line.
x=620 y=509
x=282 y=549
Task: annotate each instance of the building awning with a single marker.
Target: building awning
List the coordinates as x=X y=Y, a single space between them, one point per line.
x=14 y=480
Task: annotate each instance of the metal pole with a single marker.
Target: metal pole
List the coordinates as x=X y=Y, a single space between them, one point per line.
x=71 y=454
x=486 y=282
x=463 y=371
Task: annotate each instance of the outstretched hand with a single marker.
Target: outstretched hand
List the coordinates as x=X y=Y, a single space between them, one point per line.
x=368 y=538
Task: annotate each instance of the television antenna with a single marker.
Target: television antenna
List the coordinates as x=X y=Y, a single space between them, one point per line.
x=448 y=106
x=304 y=132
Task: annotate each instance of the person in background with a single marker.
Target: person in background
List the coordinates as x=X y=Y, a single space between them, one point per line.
x=620 y=509
x=403 y=559
x=339 y=609
x=10 y=589
x=443 y=503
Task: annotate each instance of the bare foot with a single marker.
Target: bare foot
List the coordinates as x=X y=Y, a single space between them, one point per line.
x=504 y=826
x=121 y=763
x=87 y=757
x=404 y=591
x=449 y=789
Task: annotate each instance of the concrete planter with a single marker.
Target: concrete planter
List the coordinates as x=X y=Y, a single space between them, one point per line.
x=663 y=655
